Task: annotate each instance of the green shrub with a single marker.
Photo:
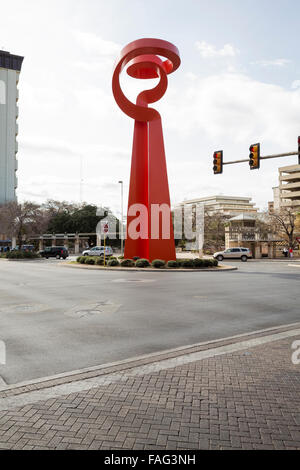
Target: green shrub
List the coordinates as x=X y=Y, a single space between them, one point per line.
x=136 y=258
x=127 y=263
x=121 y=257
x=90 y=260
x=142 y=263
x=113 y=262
x=199 y=263
x=21 y=255
x=172 y=264
x=99 y=261
x=158 y=264
x=78 y=260
x=187 y=263
x=181 y=262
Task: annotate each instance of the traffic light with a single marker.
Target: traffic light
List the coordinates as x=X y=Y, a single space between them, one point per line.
x=254 y=157
x=298 y=150
x=218 y=162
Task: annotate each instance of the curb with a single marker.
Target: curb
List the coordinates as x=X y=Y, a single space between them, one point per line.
x=149 y=270
x=127 y=364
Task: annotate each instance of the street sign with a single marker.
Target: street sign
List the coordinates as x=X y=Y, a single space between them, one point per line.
x=104 y=226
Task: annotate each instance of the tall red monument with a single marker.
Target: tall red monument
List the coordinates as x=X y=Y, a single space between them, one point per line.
x=149 y=209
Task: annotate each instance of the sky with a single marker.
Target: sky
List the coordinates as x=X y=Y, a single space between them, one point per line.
x=238 y=84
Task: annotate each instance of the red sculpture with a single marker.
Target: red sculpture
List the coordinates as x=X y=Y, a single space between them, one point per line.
x=149 y=181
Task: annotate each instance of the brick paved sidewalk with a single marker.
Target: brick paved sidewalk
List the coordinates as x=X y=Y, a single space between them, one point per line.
x=248 y=399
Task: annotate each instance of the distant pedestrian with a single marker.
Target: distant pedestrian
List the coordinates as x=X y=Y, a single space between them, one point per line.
x=291 y=251
x=285 y=252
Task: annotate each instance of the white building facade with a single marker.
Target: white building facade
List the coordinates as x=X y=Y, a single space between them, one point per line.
x=10 y=68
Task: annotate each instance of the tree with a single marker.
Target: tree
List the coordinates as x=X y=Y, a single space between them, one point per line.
x=214 y=230
x=22 y=220
x=66 y=217
x=284 y=221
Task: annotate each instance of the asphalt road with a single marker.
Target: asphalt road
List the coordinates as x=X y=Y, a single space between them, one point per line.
x=56 y=319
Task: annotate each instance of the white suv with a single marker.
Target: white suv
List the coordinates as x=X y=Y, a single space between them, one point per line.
x=234 y=253
x=99 y=251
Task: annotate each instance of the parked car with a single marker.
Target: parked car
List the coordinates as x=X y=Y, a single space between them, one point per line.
x=24 y=248
x=99 y=251
x=57 y=252
x=234 y=253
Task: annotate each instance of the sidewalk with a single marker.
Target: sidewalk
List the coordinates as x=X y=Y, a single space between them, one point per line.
x=238 y=393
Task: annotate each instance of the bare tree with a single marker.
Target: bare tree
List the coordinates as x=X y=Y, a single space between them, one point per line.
x=284 y=221
x=22 y=220
x=214 y=230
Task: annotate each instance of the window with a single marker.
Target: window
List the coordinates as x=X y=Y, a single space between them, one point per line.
x=236 y=250
x=2 y=92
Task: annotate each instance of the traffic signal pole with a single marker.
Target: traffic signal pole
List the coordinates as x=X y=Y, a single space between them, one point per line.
x=267 y=157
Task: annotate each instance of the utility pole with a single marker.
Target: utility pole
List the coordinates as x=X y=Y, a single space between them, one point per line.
x=81 y=179
x=122 y=216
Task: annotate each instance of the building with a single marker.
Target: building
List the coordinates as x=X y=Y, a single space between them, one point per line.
x=10 y=67
x=289 y=187
x=227 y=205
x=243 y=231
x=275 y=204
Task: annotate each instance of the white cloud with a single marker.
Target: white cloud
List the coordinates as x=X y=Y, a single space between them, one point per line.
x=272 y=63
x=228 y=111
x=209 y=51
x=95 y=45
x=236 y=107
x=295 y=84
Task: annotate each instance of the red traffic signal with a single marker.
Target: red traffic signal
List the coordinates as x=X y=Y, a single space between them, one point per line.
x=218 y=162
x=254 y=157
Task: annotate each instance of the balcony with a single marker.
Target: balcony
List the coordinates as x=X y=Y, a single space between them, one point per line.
x=243 y=235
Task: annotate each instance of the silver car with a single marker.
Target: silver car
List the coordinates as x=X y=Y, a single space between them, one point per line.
x=234 y=253
x=99 y=251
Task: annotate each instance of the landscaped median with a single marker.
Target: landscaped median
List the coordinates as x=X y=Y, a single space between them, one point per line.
x=94 y=262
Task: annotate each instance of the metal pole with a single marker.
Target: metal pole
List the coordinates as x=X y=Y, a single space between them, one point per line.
x=122 y=216
x=104 y=249
x=81 y=178
x=267 y=157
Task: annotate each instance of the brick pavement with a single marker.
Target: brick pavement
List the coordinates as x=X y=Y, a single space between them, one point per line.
x=248 y=399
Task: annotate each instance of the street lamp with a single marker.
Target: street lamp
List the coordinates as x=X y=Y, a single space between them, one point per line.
x=122 y=226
